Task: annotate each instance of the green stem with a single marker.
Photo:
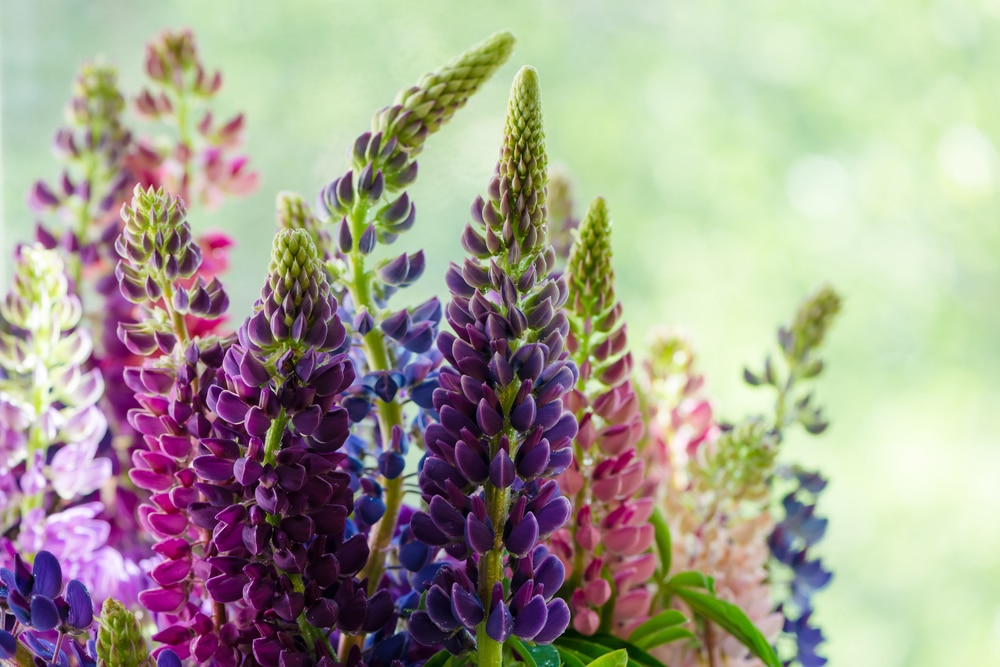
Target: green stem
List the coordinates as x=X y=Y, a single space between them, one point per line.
x=490 y=651
x=390 y=414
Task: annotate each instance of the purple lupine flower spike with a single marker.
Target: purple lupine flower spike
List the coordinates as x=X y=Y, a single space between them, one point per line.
x=503 y=430
x=278 y=504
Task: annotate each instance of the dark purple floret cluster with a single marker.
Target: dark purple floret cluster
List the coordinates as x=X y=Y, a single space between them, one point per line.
x=503 y=432
x=277 y=504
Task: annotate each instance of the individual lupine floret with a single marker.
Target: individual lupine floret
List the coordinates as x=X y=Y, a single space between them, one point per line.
x=40 y=606
x=609 y=540
x=199 y=166
x=503 y=432
x=276 y=503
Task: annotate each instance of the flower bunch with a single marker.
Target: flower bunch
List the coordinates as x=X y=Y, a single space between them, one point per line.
x=257 y=485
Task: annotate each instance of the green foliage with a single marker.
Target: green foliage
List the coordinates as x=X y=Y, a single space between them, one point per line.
x=730 y=618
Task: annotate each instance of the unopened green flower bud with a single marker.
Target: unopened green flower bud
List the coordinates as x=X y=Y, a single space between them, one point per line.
x=119 y=638
x=812 y=321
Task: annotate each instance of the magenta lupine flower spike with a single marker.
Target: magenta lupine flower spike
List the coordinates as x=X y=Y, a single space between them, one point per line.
x=200 y=166
x=504 y=432
x=610 y=537
x=158 y=258
x=277 y=505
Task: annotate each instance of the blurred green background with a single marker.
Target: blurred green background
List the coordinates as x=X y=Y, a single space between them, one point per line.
x=749 y=151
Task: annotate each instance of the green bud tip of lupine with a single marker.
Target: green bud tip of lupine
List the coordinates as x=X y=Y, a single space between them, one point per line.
x=590 y=276
x=742 y=462
x=813 y=320
x=96 y=96
x=295 y=271
x=522 y=166
x=294 y=213
x=40 y=289
x=436 y=97
x=119 y=638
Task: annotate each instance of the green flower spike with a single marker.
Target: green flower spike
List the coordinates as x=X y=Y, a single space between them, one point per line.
x=119 y=638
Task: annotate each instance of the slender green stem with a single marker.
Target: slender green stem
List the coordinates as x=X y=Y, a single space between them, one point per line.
x=491 y=571
x=390 y=414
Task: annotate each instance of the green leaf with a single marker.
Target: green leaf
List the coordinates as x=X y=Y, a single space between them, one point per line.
x=694 y=579
x=664 y=636
x=571 y=658
x=595 y=646
x=617 y=658
x=662 y=533
x=535 y=655
x=729 y=617
x=662 y=620
x=439 y=659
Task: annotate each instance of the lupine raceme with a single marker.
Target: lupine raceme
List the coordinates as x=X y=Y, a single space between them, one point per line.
x=606 y=545
x=504 y=432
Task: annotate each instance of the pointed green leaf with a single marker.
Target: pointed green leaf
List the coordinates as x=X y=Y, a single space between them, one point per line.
x=535 y=655
x=617 y=658
x=694 y=579
x=571 y=658
x=662 y=533
x=664 y=636
x=439 y=659
x=597 y=645
x=664 y=619
x=730 y=618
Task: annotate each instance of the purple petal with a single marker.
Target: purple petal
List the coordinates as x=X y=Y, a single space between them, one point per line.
x=439 y=609
x=478 y=534
x=502 y=470
x=531 y=618
x=555 y=624
x=81 y=607
x=48 y=575
x=163 y=600
x=466 y=607
x=44 y=613
x=554 y=515
x=500 y=624
x=524 y=536
x=424 y=631
x=550 y=575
